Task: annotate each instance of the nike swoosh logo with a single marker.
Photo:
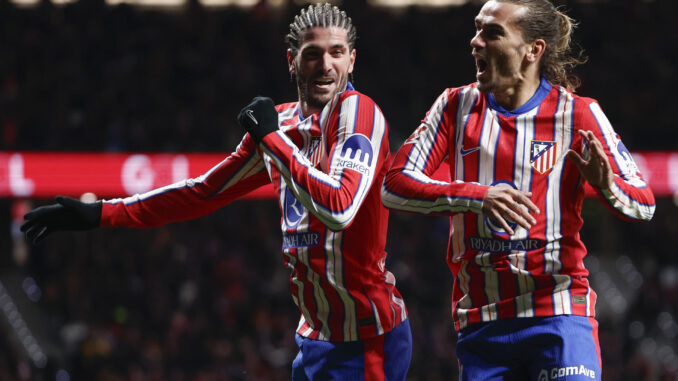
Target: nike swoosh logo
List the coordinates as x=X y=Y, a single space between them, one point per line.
x=251 y=115
x=465 y=152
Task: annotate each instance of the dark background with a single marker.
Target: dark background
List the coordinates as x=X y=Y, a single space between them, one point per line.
x=208 y=299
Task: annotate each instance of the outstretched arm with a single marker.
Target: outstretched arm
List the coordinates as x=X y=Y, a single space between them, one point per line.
x=67 y=214
x=241 y=172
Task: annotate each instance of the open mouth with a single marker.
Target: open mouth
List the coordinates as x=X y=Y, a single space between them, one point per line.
x=481 y=65
x=323 y=82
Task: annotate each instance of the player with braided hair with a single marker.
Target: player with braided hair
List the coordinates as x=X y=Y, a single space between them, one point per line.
x=321 y=15
x=521 y=147
x=326 y=156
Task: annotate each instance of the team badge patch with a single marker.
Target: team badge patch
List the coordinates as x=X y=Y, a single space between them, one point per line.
x=543 y=155
x=315 y=151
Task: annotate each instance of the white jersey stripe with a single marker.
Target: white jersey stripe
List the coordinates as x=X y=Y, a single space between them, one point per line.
x=335 y=276
x=320 y=299
x=424 y=143
x=467 y=99
x=299 y=297
x=377 y=320
x=400 y=303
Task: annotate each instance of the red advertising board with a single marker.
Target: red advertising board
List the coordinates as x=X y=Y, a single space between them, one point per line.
x=46 y=174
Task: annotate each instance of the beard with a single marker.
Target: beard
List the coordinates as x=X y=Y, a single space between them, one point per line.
x=501 y=73
x=316 y=100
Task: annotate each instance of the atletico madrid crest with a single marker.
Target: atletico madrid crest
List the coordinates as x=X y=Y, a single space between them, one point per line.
x=543 y=155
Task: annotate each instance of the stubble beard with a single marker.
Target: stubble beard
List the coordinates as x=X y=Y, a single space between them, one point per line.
x=317 y=101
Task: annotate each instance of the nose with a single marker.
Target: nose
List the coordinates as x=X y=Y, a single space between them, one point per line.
x=477 y=41
x=327 y=63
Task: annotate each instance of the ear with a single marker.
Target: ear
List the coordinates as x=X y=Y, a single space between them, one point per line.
x=535 y=50
x=290 y=62
x=351 y=61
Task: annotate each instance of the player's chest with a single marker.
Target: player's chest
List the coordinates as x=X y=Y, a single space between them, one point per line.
x=307 y=138
x=529 y=144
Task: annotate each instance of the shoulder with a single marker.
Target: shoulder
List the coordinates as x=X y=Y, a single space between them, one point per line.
x=349 y=100
x=468 y=94
x=354 y=96
x=288 y=113
x=283 y=107
x=585 y=109
x=580 y=102
x=462 y=92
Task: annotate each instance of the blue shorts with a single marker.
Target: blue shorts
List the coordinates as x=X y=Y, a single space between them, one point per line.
x=382 y=358
x=562 y=348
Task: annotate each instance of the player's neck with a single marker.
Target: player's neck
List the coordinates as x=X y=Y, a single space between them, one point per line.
x=307 y=110
x=517 y=95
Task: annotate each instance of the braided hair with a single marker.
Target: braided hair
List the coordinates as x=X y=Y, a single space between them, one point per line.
x=319 y=15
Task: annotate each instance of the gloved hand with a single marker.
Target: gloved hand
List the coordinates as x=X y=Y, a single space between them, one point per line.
x=67 y=214
x=259 y=118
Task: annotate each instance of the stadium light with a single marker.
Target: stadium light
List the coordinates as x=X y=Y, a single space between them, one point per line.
x=251 y=3
x=422 y=3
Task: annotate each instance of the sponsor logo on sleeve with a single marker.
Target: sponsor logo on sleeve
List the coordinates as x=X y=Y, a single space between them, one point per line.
x=627 y=159
x=356 y=154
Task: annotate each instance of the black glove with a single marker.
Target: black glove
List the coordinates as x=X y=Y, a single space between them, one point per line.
x=67 y=214
x=259 y=118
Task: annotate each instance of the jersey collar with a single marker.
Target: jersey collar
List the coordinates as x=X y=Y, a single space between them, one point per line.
x=541 y=93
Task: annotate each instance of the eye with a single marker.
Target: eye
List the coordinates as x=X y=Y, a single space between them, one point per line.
x=311 y=54
x=492 y=33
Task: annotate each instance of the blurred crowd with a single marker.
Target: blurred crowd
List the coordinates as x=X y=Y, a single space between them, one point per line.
x=208 y=299
x=88 y=76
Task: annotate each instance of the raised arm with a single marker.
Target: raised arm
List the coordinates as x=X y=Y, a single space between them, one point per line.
x=607 y=165
x=355 y=139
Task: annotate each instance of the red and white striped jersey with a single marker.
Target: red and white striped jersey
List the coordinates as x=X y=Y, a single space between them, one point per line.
x=327 y=170
x=539 y=272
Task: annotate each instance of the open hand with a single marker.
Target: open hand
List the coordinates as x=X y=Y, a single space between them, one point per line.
x=596 y=170
x=67 y=214
x=503 y=204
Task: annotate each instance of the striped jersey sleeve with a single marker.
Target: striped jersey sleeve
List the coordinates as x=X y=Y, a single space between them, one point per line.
x=240 y=173
x=355 y=144
x=408 y=185
x=629 y=197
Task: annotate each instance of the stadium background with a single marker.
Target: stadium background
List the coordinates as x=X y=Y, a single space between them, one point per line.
x=208 y=299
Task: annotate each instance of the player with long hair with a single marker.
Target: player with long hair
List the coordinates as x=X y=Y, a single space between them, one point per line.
x=521 y=146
